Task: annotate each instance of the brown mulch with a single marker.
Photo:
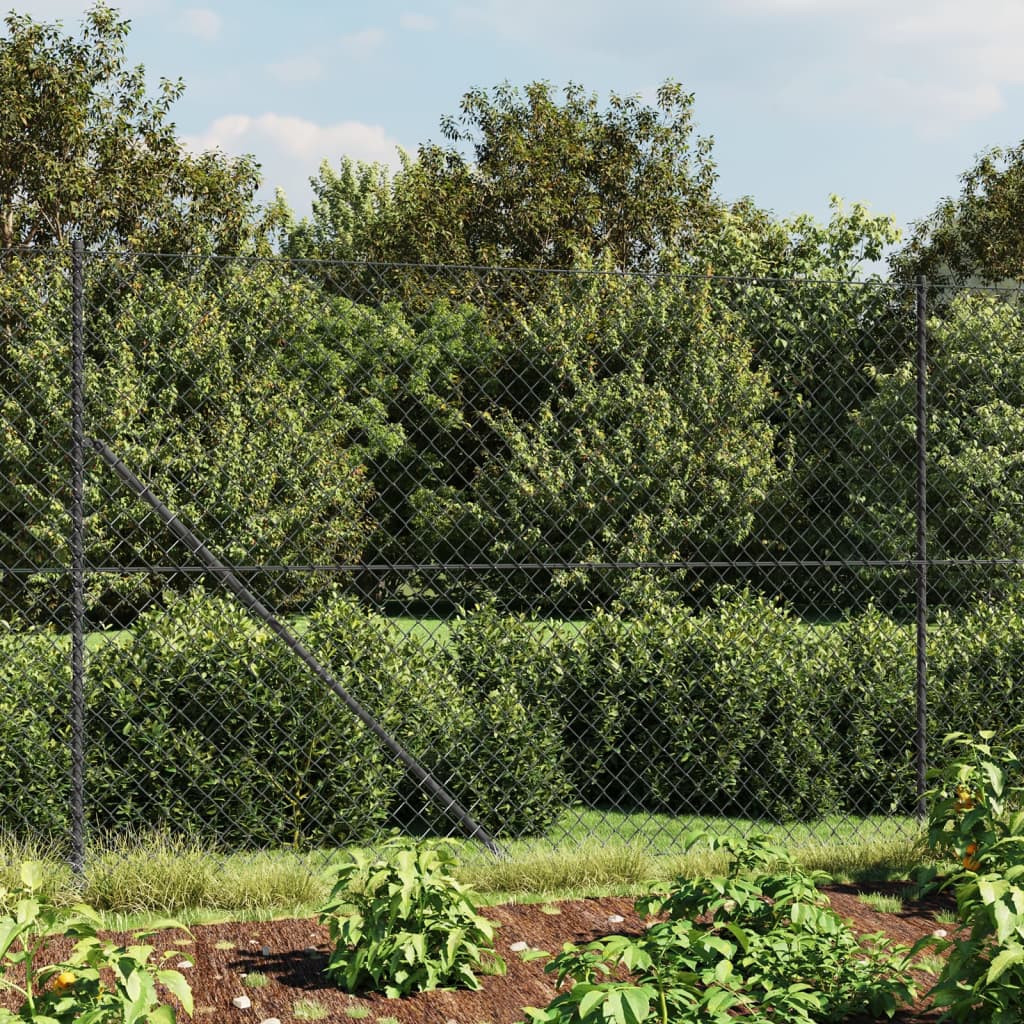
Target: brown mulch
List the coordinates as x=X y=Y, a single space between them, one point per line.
x=292 y=954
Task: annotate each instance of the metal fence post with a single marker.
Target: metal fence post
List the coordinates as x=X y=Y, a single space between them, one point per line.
x=922 y=546
x=77 y=560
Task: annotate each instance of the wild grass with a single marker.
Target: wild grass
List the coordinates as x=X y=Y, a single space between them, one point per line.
x=882 y=902
x=931 y=963
x=309 y=1009
x=132 y=879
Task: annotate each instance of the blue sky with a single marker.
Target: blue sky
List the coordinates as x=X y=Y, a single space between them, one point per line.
x=882 y=101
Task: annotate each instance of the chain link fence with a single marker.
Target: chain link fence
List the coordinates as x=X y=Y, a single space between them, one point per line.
x=294 y=553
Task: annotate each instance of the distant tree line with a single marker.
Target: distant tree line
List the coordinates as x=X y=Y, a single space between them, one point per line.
x=545 y=344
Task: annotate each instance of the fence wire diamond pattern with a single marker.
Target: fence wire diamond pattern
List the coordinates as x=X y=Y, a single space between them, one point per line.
x=586 y=551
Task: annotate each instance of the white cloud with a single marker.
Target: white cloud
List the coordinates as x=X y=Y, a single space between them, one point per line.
x=934 y=65
x=202 y=23
x=291 y=149
x=934 y=109
x=783 y=8
x=298 y=69
x=362 y=44
x=417 y=22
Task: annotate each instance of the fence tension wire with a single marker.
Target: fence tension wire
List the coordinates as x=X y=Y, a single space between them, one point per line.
x=442 y=798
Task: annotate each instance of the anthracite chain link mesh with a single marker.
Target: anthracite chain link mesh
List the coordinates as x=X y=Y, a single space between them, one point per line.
x=600 y=553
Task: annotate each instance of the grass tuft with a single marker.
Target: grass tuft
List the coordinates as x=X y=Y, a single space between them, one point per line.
x=882 y=902
x=566 y=872
x=310 y=1009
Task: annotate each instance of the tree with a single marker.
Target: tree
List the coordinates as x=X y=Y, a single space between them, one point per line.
x=244 y=398
x=645 y=440
x=978 y=236
x=975 y=468
x=83 y=149
x=350 y=208
x=821 y=330
x=526 y=180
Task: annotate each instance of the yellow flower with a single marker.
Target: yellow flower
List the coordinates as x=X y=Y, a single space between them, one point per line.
x=64 y=980
x=964 y=799
x=969 y=861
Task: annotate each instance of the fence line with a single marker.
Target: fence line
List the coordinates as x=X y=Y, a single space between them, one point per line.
x=567 y=545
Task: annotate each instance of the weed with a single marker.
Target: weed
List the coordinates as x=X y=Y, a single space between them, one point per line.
x=309 y=1009
x=930 y=963
x=882 y=902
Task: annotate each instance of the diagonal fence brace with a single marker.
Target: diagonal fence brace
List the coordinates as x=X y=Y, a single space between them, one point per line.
x=441 y=796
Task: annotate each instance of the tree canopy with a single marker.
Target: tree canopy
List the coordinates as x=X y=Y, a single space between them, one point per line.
x=84 y=149
x=977 y=237
x=528 y=178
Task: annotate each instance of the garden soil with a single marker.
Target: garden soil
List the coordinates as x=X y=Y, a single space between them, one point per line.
x=291 y=955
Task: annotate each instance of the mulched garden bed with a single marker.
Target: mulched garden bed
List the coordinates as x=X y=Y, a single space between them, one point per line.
x=291 y=955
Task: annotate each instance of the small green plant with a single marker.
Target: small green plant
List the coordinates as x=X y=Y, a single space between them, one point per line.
x=882 y=902
x=947 y=917
x=402 y=923
x=255 y=980
x=72 y=990
x=975 y=818
x=357 y=1012
x=930 y=963
x=309 y=1009
x=759 y=944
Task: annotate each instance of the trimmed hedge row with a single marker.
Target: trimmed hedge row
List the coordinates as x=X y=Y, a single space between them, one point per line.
x=201 y=720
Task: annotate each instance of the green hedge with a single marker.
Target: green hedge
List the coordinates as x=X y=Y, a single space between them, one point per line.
x=976 y=669
x=206 y=722
x=476 y=712
x=35 y=732
x=700 y=714
x=200 y=720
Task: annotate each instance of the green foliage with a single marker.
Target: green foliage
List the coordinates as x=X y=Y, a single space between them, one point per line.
x=218 y=730
x=820 y=333
x=975 y=237
x=507 y=753
x=760 y=942
x=73 y=990
x=35 y=734
x=711 y=713
x=865 y=711
x=529 y=179
x=246 y=400
x=401 y=923
x=975 y=815
x=351 y=212
x=84 y=149
x=739 y=708
x=977 y=654
x=643 y=438
x=480 y=713
x=975 y=431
